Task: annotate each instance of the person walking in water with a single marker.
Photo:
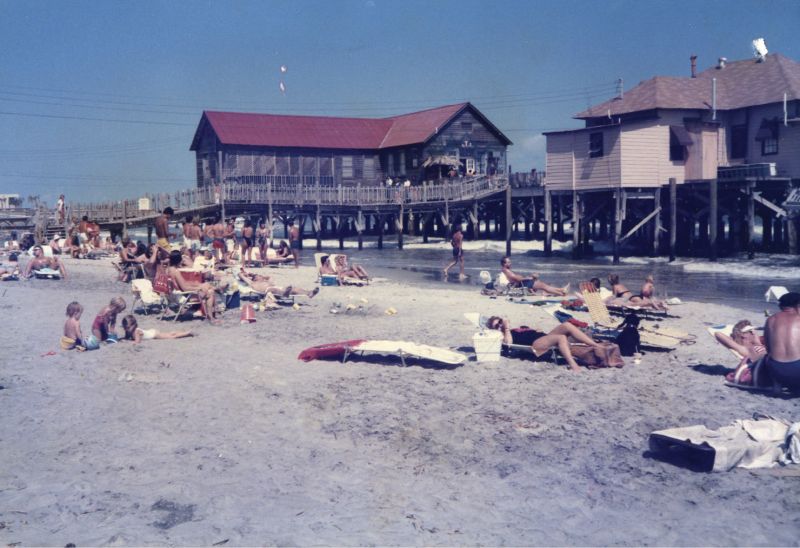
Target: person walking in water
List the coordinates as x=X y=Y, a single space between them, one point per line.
x=456 y=240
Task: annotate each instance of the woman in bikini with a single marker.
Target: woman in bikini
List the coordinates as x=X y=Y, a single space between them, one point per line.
x=541 y=342
x=744 y=341
x=137 y=334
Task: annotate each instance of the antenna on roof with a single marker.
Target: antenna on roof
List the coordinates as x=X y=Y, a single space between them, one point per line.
x=760 y=49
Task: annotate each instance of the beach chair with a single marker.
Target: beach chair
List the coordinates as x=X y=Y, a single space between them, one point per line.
x=181 y=301
x=143 y=293
x=651 y=336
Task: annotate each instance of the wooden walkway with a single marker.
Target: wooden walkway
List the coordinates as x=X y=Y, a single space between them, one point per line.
x=255 y=198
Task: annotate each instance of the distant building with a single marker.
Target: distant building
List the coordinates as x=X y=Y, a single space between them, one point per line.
x=9 y=200
x=418 y=146
x=743 y=114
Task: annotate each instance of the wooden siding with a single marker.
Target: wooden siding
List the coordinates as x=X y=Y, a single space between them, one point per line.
x=465 y=137
x=570 y=166
x=788 y=156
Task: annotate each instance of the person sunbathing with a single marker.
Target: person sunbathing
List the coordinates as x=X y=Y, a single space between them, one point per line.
x=105 y=323
x=264 y=284
x=647 y=296
x=205 y=291
x=39 y=262
x=136 y=334
x=326 y=268
x=354 y=271
x=541 y=342
x=508 y=278
x=744 y=341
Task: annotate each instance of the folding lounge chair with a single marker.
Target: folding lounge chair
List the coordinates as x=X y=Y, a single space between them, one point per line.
x=759 y=382
x=652 y=337
x=182 y=301
x=143 y=293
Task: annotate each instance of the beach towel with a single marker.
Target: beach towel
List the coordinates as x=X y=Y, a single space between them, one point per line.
x=763 y=442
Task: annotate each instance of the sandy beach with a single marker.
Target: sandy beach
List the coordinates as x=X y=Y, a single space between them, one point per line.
x=227 y=439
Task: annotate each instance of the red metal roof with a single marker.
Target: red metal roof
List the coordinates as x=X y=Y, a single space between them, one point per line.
x=274 y=130
x=740 y=84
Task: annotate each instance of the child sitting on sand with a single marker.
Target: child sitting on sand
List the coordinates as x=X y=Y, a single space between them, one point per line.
x=73 y=337
x=105 y=323
x=137 y=334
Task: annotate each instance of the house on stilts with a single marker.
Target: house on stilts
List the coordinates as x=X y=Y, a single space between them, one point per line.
x=696 y=165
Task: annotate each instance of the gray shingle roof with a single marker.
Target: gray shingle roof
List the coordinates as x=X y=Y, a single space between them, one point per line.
x=740 y=84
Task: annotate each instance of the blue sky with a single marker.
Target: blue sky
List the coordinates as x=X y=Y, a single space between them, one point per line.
x=100 y=100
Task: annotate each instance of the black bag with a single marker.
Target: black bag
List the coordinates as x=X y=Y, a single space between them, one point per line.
x=628 y=338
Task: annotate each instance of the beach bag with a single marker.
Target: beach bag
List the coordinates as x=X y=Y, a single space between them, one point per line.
x=608 y=355
x=628 y=339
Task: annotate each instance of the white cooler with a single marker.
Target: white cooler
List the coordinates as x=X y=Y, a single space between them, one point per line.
x=487 y=345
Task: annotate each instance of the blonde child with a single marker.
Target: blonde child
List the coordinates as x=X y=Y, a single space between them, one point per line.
x=105 y=323
x=137 y=334
x=72 y=327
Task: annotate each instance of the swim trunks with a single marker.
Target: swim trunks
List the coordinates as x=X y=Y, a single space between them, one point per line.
x=458 y=252
x=294 y=244
x=219 y=243
x=784 y=373
x=248 y=241
x=163 y=243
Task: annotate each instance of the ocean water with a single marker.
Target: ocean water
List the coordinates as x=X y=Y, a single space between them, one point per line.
x=735 y=281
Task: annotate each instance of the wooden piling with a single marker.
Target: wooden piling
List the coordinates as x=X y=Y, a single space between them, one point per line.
x=673 y=216
x=380 y=231
x=617 y=223
x=548 y=223
x=508 y=220
x=713 y=219
x=576 y=225
x=399 y=223
x=656 y=221
x=751 y=220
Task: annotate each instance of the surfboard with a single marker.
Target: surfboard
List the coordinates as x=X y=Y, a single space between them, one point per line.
x=402 y=349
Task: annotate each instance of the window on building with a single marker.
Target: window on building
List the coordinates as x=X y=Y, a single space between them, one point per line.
x=768 y=135
x=347 y=167
x=596 y=145
x=679 y=139
x=391 y=164
x=402 y=163
x=466 y=126
x=739 y=141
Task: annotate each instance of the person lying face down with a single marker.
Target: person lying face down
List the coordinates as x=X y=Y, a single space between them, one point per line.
x=541 y=342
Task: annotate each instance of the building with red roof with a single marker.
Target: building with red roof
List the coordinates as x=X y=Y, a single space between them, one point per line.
x=287 y=149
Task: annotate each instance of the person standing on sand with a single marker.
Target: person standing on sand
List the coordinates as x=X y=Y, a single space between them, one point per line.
x=216 y=233
x=162 y=230
x=294 y=242
x=782 y=339
x=60 y=210
x=456 y=240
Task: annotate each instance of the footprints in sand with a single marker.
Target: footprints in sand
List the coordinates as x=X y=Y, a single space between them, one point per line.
x=175 y=513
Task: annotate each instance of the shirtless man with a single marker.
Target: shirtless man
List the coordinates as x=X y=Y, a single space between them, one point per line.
x=39 y=261
x=162 y=230
x=216 y=233
x=458 y=252
x=263 y=284
x=294 y=243
x=531 y=282
x=191 y=236
x=782 y=338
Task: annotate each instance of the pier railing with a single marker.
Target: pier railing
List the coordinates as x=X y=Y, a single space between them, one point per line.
x=254 y=192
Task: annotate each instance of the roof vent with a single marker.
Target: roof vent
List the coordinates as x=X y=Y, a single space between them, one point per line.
x=721 y=62
x=693 y=59
x=759 y=49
